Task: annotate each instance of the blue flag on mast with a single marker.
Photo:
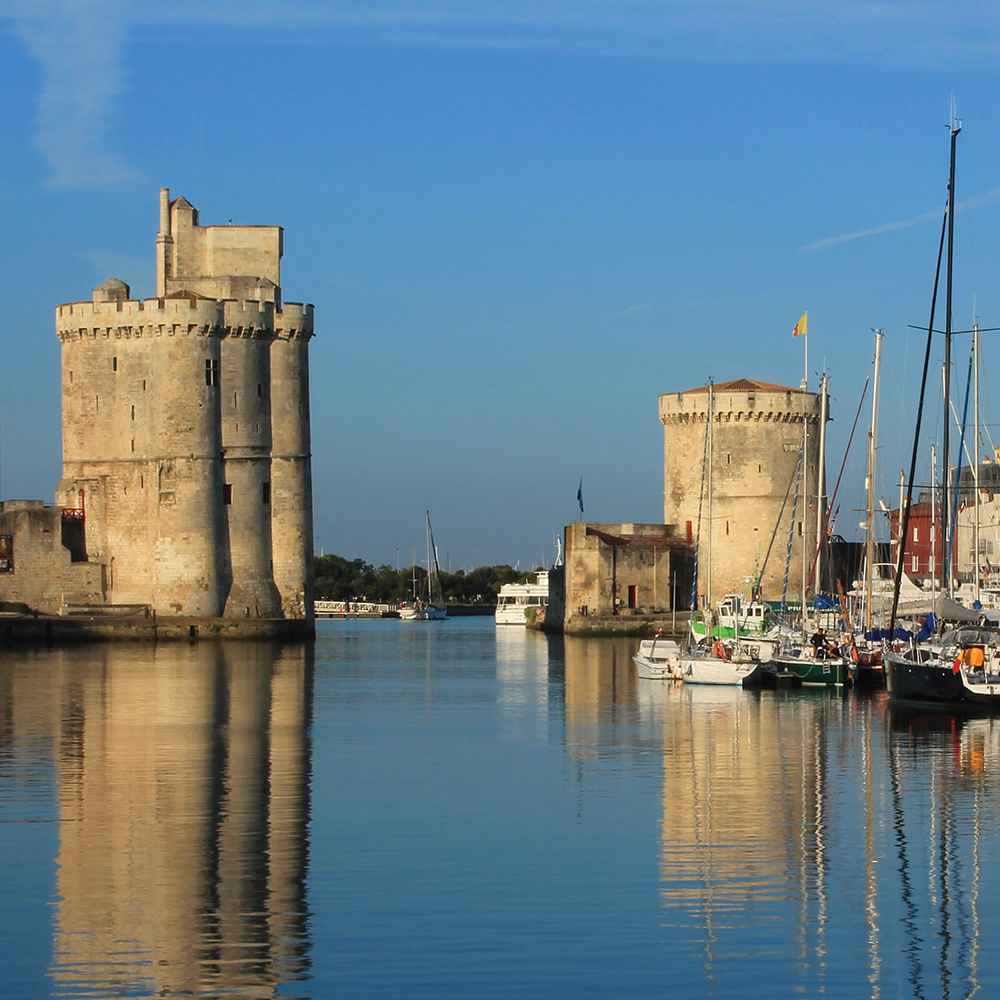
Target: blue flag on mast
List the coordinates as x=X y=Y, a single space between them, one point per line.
x=579 y=495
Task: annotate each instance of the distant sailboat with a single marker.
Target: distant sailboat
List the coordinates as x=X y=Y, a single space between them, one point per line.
x=429 y=607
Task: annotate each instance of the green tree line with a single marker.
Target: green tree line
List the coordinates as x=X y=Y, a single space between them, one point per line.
x=340 y=579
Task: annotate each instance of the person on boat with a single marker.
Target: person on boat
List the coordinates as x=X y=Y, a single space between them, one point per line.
x=975 y=657
x=820 y=649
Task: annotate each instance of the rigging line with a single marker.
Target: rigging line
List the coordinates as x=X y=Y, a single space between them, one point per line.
x=953 y=513
x=697 y=537
x=791 y=536
x=959 y=426
x=905 y=514
x=833 y=497
x=774 y=534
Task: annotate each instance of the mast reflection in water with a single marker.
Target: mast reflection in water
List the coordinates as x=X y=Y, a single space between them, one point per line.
x=182 y=776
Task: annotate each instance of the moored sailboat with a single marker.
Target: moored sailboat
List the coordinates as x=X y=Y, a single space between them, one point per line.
x=429 y=607
x=962 y=669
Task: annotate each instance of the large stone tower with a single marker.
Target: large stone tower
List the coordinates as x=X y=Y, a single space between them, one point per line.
x=186 y=450
x=756 y=441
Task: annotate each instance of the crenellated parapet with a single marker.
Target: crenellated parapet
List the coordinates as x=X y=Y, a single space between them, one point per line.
x=248 y=319
x=294 y=321
x=138 y=318
x=739 y=416
x=750 y=406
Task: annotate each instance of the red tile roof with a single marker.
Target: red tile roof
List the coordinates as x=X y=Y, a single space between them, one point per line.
x=744 y=385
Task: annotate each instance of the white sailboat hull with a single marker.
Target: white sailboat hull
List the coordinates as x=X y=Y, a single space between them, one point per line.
x=712 y=670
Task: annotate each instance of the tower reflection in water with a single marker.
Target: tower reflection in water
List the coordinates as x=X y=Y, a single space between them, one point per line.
x=183 y=784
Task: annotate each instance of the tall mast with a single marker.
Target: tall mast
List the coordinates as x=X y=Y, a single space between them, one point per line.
x=428 y=515
x=805 y=489
x=954 y=128
x=934 y=530
x=821 y=483
x=975 y=462
x=872 y=439
x=711 y=490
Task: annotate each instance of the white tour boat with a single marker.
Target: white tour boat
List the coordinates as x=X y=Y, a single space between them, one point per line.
x=517 y=599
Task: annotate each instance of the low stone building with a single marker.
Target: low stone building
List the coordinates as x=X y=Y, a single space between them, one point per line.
x=616 y=576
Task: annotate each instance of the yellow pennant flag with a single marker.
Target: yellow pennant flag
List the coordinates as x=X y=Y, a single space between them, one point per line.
x=800 y=327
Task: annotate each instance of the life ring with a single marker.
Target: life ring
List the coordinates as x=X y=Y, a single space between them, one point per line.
x=719 y=650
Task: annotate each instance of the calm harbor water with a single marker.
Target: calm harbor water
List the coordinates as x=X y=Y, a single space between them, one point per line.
x=446 y=810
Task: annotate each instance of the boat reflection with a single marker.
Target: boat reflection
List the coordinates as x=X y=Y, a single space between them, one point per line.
x=183 y=796
x=523 y=661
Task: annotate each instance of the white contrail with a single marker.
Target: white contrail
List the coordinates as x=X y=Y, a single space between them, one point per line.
x=979 y=199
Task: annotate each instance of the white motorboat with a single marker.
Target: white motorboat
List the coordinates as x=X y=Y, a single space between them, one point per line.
x=658 y=660
x=517 y=601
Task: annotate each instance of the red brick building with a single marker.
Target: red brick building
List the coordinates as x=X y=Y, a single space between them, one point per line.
x=923 y=542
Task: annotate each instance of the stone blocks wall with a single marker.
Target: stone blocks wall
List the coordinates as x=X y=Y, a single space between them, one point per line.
x=757 y=439
x=45 y=577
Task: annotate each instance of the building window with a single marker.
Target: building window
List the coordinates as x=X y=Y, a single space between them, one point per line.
x=633 y=596
x=915 y=565
x=211 y=371
x=729 y=459
x=114 y=364
x=227 y=493
x=133 y=445
x=265 y=492
x=727 y=527
x=260 y=390
x=916 y=534
x=133 y=411
x=143 y=385
x=71 y=378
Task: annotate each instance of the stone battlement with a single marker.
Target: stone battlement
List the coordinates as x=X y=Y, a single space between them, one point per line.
x=751 y=416
x=155 y=317
x=771 y=405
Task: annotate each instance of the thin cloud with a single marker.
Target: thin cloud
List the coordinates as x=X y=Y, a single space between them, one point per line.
x=979 y=199
x=628 y=310
x=79 y=46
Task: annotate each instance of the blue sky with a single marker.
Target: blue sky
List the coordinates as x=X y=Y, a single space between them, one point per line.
x=519 y=223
